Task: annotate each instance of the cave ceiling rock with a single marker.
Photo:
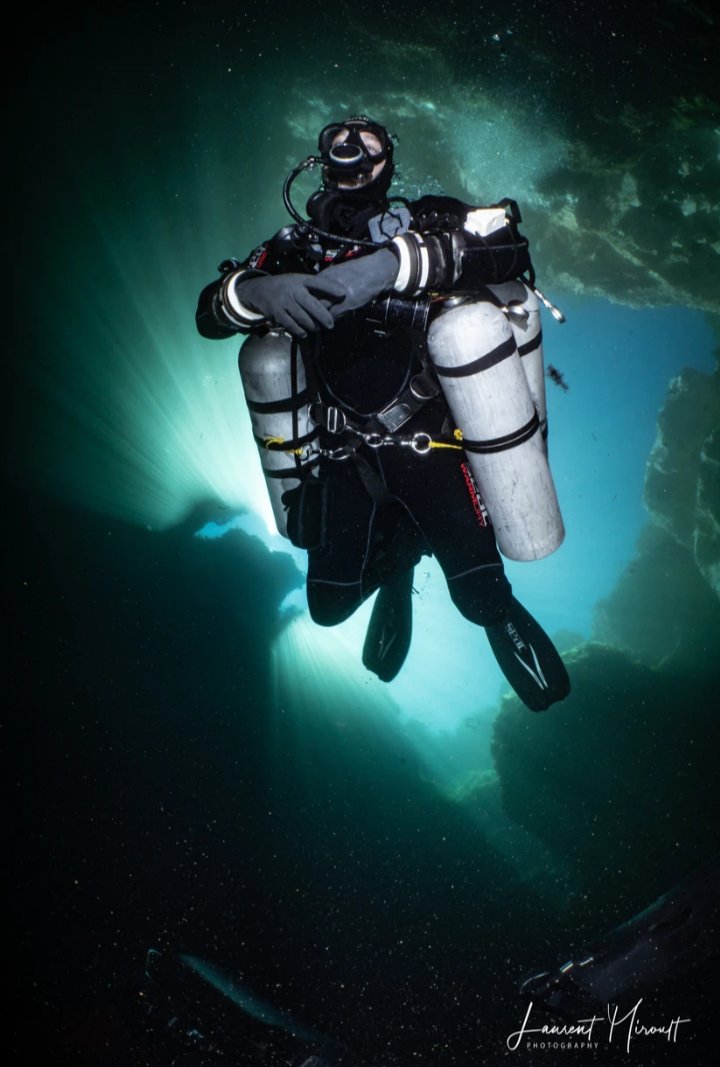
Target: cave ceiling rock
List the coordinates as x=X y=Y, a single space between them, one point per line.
x=682 y=478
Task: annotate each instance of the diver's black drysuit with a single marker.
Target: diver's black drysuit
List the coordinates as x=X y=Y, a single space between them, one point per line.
x=376 y=511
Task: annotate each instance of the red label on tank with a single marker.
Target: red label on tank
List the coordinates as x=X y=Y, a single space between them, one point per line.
x=478 y=507
x=258 y=257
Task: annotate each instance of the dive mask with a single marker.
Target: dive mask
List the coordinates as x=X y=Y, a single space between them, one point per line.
x=350 y=157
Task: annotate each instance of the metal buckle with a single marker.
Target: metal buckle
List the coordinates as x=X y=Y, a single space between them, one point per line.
x=421 y=443
x=338 y=454
x=423 y=387
x=335 y=421
x=393 y=416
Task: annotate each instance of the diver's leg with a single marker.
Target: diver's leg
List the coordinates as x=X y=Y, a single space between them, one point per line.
x=335 y=582
x=440 y=495
x=528 y=659
x=397 y=548
x=389 y=631
x=368 y=546
x=452 y=518
x=524 y=652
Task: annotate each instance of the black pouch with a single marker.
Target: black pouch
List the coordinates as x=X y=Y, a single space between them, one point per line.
x=499 y=256
x=307 y=513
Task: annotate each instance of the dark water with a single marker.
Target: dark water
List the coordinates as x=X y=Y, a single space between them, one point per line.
x=195 y=774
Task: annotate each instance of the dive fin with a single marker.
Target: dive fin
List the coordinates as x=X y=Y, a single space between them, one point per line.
x=389 y=631
x=528 y=659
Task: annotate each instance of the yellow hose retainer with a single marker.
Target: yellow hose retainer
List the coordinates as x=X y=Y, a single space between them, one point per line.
x=278 y=441
x=457 y=434
x=443 y=444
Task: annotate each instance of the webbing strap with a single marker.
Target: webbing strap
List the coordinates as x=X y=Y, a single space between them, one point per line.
x=530 y=346
x=294 y=471
x=273 y=407
x=375 y=486
x=507 y=441
x=490 y=359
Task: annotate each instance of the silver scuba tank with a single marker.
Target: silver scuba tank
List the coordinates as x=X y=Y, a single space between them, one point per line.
x=522 y=309
x=275 y=387
x=475 y=354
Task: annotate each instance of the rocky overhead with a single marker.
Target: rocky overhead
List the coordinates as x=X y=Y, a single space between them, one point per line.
x=682 y=484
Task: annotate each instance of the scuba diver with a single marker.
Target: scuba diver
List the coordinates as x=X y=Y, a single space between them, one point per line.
x=394 y=377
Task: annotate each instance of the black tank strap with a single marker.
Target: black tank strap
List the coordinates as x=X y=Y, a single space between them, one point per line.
x=273 y=407
x=507 y=441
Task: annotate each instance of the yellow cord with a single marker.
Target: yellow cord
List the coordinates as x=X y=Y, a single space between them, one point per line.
x=268 y=441
x=278 y=441
x=457 y=434
x=442 y=444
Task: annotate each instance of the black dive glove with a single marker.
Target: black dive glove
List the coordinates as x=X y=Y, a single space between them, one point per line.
x=362 y=279
x=296 y=302
x=304 y=303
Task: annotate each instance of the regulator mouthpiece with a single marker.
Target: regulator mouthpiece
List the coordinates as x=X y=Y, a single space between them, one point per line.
x=348 y=157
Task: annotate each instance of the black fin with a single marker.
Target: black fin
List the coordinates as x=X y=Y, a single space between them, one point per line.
x=389 y=632
x=528 y=659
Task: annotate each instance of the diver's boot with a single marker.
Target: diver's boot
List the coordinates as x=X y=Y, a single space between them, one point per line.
x=528 y=659
x=389 y=632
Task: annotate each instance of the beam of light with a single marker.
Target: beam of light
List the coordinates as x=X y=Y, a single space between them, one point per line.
x=450 y=675
x=153 y=417
x=449 y=680
x=319 y=670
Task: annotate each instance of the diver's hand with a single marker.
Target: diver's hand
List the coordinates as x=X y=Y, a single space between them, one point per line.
x=296 y=302
x=362 y=279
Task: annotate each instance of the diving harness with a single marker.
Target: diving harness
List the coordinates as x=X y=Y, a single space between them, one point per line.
x=380 y=430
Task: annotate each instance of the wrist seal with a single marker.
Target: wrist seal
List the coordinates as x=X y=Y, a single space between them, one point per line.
x=229 y=303
x=425 y=262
